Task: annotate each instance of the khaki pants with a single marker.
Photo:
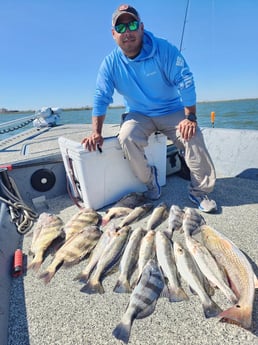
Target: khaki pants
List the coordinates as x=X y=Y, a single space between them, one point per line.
x=133 y=136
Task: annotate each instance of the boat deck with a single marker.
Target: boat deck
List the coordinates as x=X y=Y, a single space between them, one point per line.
x=58 y=313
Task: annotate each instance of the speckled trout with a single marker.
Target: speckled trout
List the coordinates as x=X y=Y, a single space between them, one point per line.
x=158 y=215
x=190 y=272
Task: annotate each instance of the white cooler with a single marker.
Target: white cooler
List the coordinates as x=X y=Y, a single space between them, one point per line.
x=102 y=178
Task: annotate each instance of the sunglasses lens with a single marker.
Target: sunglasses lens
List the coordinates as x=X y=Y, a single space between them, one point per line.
x=120 y=28
x=132 y=26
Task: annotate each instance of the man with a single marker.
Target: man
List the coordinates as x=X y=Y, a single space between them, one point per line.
x=159 y=94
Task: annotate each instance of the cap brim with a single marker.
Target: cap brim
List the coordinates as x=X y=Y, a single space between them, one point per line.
x=121 y=14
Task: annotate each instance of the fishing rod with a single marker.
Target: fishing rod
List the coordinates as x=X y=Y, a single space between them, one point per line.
x=183 y=31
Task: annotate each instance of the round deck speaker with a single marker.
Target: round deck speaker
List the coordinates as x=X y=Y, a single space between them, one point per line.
x=43 y=180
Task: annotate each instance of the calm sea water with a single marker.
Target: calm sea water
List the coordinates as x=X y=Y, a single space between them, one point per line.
x=240 y=114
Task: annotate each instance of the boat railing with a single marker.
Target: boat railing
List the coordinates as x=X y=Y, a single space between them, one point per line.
x=16 y=124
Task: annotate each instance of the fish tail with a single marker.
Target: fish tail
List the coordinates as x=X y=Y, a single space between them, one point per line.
x=122 y=331
x=179 y=295
x=174 y=295
x=47 y=276
x=35 y=265
x=93 y=287
x=82 y=277
x=241 y=316
x=211 y=310
x=122 y=287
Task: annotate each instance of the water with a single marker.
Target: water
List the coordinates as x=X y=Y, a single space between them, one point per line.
x=238 y=114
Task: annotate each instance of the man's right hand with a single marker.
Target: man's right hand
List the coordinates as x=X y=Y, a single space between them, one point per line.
x=92 y=142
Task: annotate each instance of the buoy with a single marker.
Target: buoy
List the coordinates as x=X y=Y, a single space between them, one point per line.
x=213 y=118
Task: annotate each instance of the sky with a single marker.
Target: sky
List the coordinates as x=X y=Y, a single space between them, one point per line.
x=51 y=49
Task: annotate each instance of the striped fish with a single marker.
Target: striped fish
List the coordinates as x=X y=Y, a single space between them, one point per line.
x=80 y=220
x=142 y=301
x=73 y=250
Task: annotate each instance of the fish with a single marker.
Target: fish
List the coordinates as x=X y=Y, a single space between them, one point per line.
x=147 y=250
x=143 y=300
x=192 y=220
x=124 y=206
x=159 y=214
x=138 y=213
x=81 y=219
x=175 y=220
x=115 y=212
x=105 y=238
x=129 y=260
x=241 y=276
x=209 y=266
x=109 y=258
x=73 y=250
x=190 y=272
x=131 y=200
x=166 y=260
x=48 y=228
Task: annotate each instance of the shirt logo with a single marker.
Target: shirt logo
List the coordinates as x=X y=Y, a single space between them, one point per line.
x=180 y=61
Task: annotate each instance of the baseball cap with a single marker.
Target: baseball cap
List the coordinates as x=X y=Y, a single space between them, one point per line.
x=122 y=9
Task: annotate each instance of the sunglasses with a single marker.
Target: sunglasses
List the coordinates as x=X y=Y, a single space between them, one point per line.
x=132 y=26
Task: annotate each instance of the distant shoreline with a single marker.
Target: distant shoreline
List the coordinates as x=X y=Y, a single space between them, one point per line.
x=6 y=111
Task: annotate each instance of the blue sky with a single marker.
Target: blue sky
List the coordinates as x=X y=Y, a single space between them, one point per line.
x=51 y=49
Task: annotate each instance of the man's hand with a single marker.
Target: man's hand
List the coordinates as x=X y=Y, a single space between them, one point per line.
x=92 y=142
x=187 y=129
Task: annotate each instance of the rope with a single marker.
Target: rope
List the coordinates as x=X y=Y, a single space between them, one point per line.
x=22 y=215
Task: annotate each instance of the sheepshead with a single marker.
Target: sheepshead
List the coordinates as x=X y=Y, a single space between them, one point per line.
x=239 y=272
x=128 y=261
x=143 y=300
x=175 y=220
x=147 y=250
x=48 y=228
x=109 y=258
x=96 y=253
x=73 y=250
x=166 y=260
x=131 y=200
x=115 y=212
x=159 y=214
x=81 y=219
x=138 y=213
x=190 y=272
x=192 y=220
x=209 y=266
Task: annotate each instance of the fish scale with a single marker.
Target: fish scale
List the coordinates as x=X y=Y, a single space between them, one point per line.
x=240 y=274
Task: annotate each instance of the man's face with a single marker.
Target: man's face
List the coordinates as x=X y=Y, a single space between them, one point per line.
x=130 y=41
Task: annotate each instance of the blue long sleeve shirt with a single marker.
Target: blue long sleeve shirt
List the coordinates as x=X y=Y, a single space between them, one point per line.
x=156 y=82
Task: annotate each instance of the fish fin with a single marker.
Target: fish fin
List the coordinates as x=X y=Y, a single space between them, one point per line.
x=122 y=287
x=35 y=265
x=93 y=288
x=211 y=310
x=82 y=277
x=178 y=295
x=122 y=331
x=47 y=276
x=241 y=316
x=147 y=311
